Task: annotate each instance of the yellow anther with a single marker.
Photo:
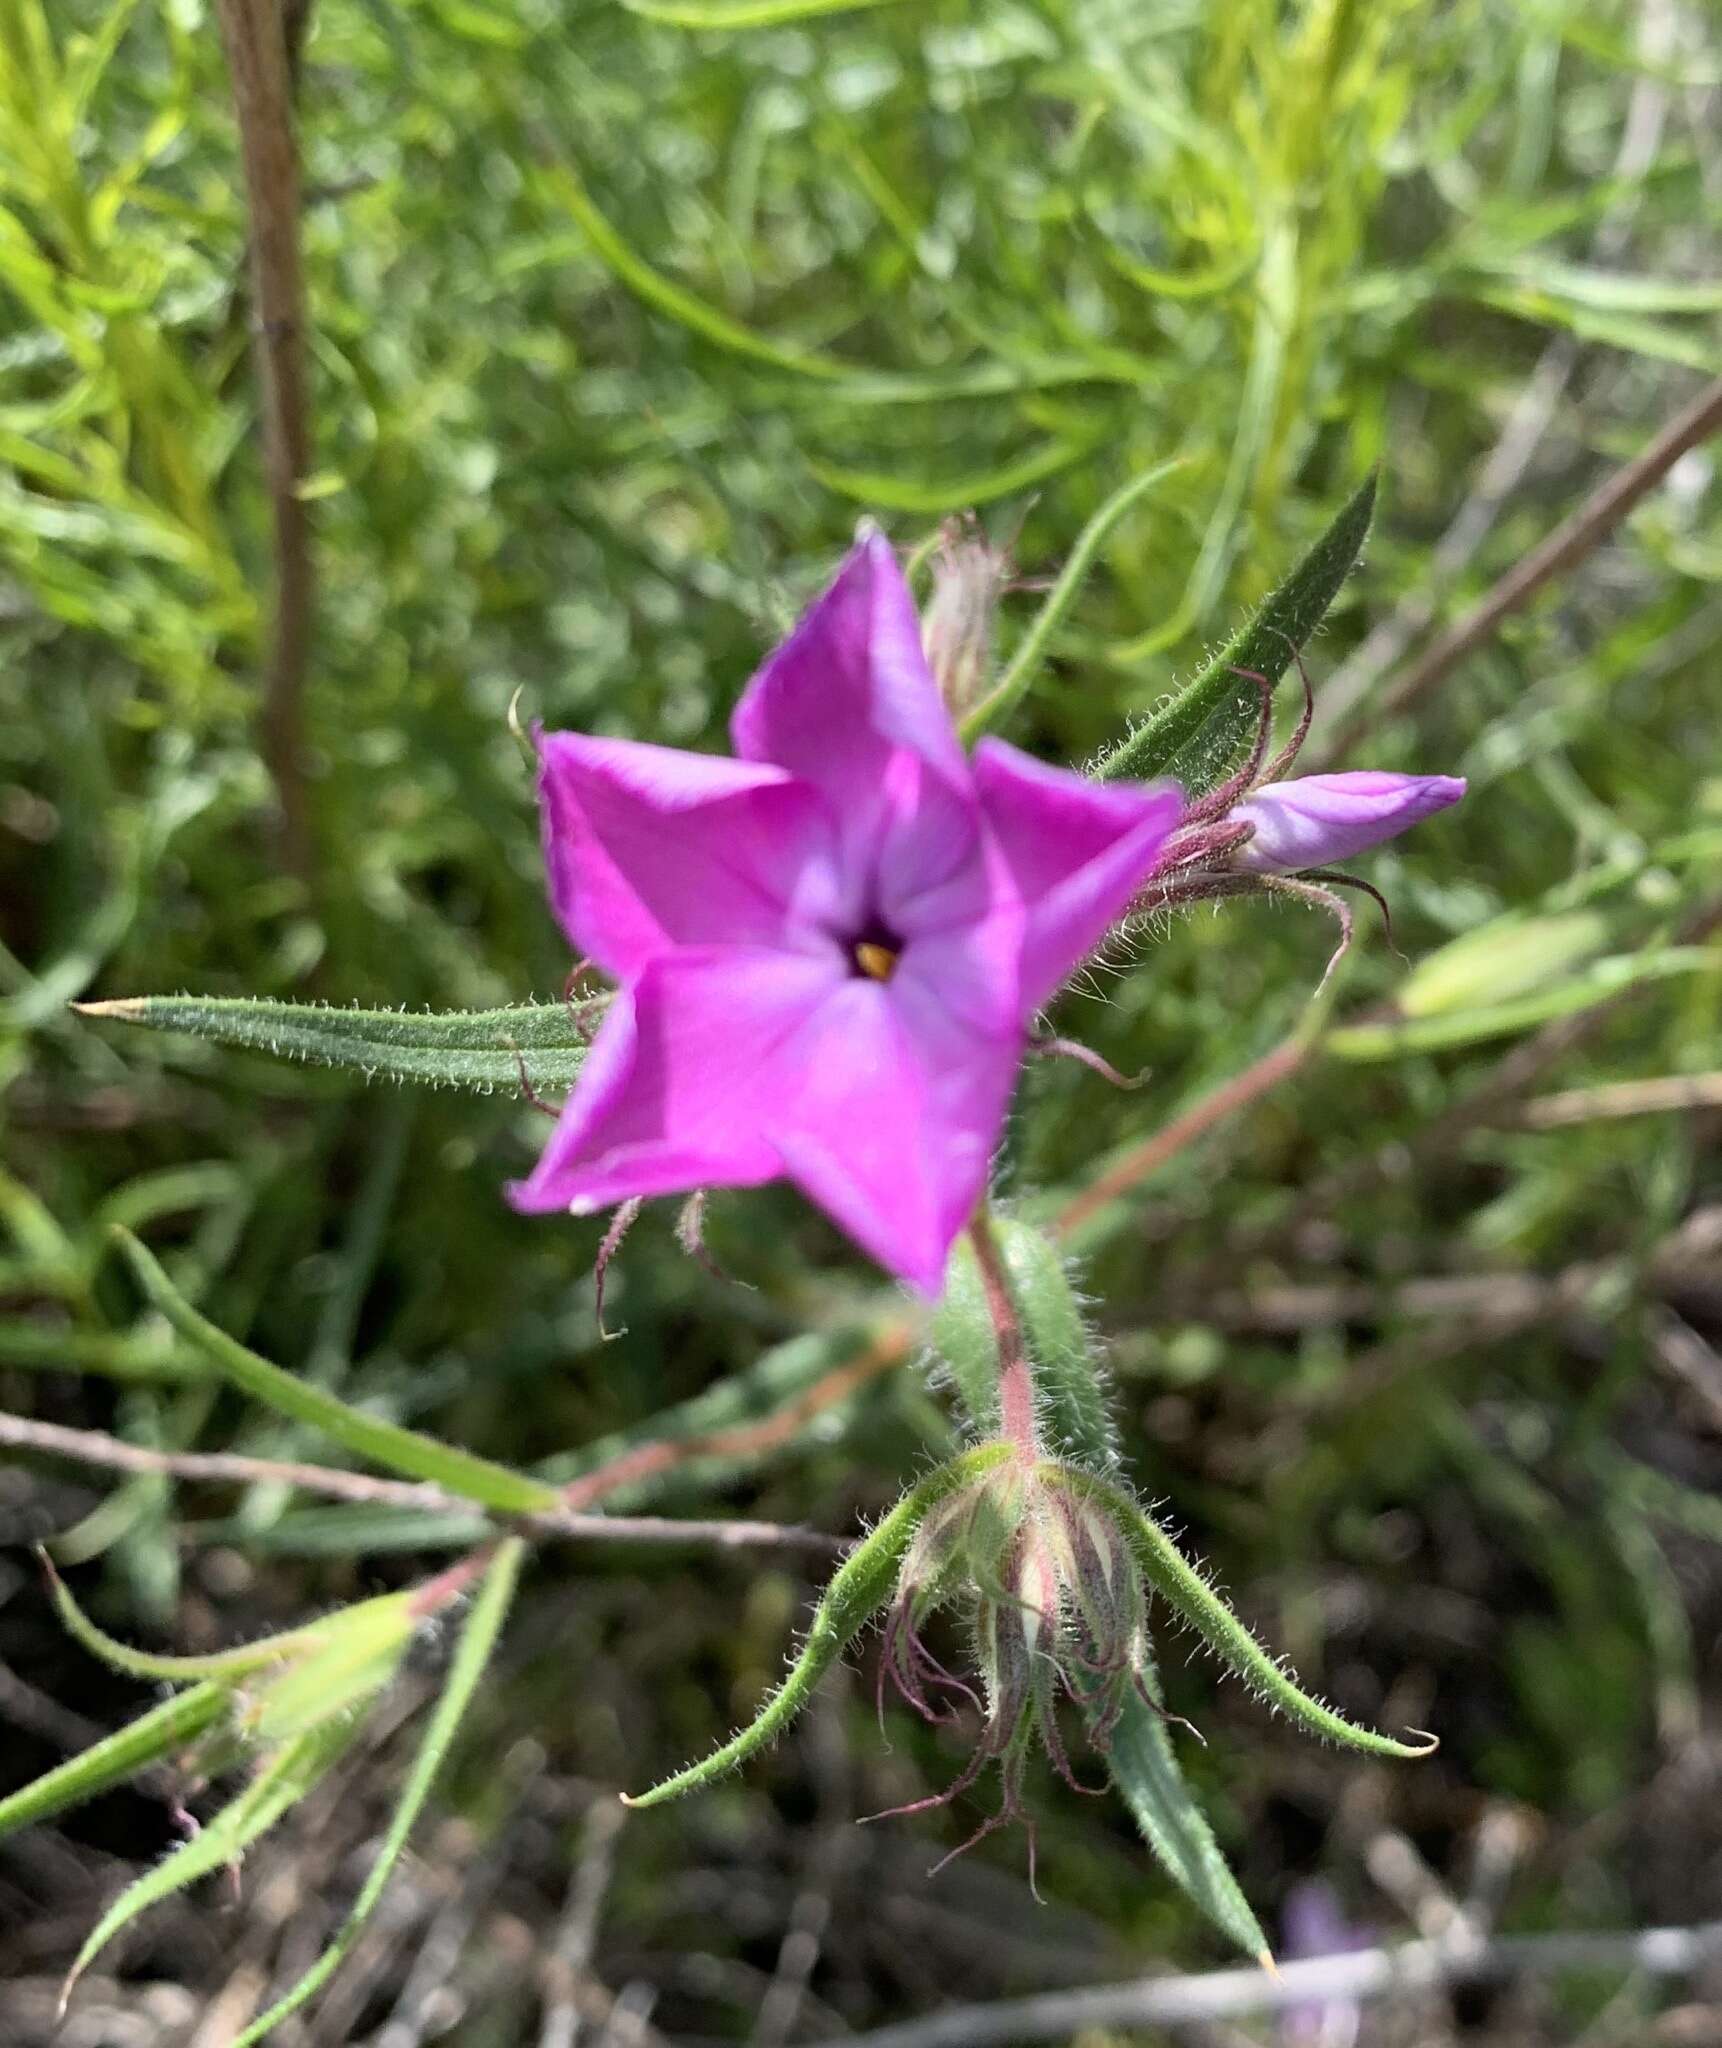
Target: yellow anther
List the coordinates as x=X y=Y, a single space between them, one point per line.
x=879 y=962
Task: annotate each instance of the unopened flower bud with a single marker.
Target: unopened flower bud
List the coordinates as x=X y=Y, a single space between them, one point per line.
x=1314 y=820
x=969 y=576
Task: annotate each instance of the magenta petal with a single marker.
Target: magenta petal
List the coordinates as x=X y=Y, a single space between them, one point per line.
x=1314 y=820
x=849 y=688
x=649 y=847
x=1077 y=851
x=894 y=1128
x=683 y=1081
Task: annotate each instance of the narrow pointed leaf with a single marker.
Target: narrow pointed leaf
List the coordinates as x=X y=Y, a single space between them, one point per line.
x=225 y=1664
x=1170 y=1574
x=1208 y=724
x=278 y=1786
x=1031 y=649
x=384 y=1443
x=471 y=1659
x=122 y=1755
x=863 y=1583
x=1144 y=1767
x=477 y=1049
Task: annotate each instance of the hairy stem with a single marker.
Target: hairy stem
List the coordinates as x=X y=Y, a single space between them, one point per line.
x=1017 y=1423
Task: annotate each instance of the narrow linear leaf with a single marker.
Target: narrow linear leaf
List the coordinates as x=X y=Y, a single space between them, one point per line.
x=471 y=1659
x=119 y=1756
x=719 y=14
x=225 y=1664
x=1144 y=1767
x=861 y=1586
x=384 y=1443
x=1209 y=721
x=478 y=1049
x=675 y=301
x=278 y=1786
x=882 y=490
x=1183 y=1588
x=1447 y=1029
x=1020 y=671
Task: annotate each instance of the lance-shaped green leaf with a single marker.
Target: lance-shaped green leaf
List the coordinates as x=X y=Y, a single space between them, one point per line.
x=1183 y=1588
x=1144 y=1767
x=279 y=1785
x=477 y=1049
x=1209 y=722
x=863 y=1583
x=1067 y=1375
x=152 y=1736
x=1031 y=649
x=384 y=1443
x=471 y=1659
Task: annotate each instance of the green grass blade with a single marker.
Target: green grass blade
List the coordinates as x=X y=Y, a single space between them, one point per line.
x=1210 y=720
x=1447 y=1029
x=471 y=1659
x=478 y=1049
x=384 y=1443
x=1020 y=672
x=687 y=309
x=117 y=1757
x=882 y=491
x=718 y=14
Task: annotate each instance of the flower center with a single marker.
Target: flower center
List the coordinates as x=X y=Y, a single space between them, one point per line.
x=875 y=953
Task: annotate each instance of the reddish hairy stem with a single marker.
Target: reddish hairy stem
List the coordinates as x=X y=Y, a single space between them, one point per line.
x=1017 y=1423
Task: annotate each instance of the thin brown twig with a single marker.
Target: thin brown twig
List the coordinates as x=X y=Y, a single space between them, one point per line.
x=94 y=1447
x=1532 y=412
x=1146 y=1159
x=889 y=1346
x=255 y=36
x=1568 y=545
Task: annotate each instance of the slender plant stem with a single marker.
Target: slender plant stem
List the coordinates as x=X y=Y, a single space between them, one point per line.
x=93 y=1447
x=1143 y=1160
x=1017 y=1423
x=890 y=1345
x=1568 y=545
x=255 y=36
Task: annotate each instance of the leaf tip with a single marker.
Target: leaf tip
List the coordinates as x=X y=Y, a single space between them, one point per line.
x=129 y=1008
x=1265 y=1961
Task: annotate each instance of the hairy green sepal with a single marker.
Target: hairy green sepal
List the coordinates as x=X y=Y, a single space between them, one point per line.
x=863 y=1584
x=1183 y=1588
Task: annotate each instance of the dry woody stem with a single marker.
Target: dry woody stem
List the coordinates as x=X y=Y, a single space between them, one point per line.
x=255 y=35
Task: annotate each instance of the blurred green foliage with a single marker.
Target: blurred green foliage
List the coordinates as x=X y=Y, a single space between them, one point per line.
x=617 y=324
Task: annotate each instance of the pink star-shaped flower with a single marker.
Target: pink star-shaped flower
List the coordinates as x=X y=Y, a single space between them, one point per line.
x=830 y=947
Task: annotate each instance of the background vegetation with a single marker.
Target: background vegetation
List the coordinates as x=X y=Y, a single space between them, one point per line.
x=618 y=318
